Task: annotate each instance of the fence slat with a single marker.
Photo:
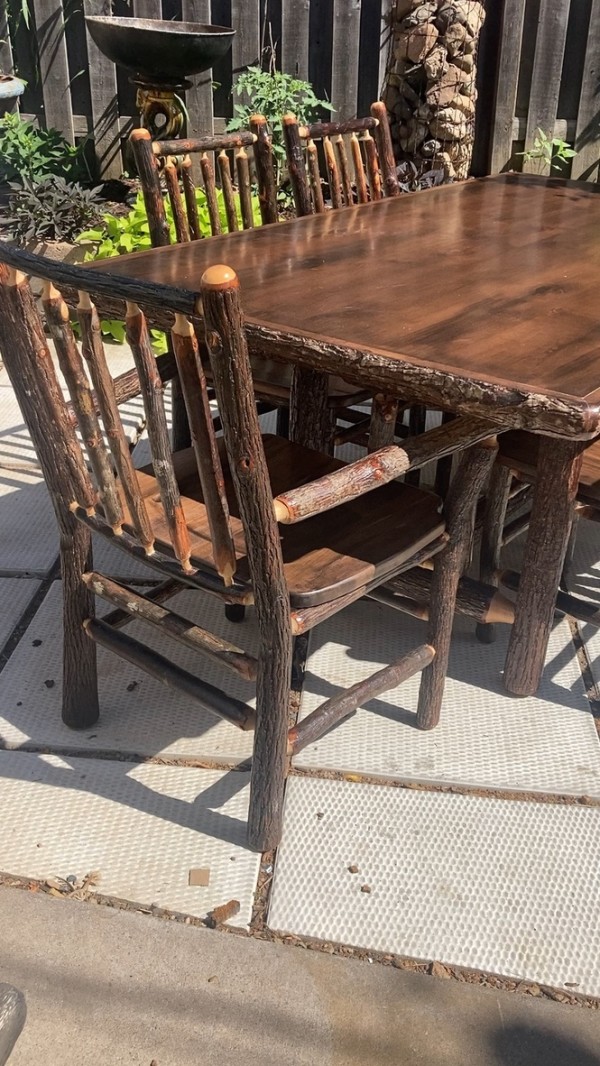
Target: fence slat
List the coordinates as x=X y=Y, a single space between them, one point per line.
x=344 y=60
x=295 y=18
x=147 y=9
x=245 y=19
x=54 y=65
x=545 y=82
x=587 y=141
x=199 y=99
x=6 y=56
x=105 y=110
x=506 y=85
x=384 y=45
x=334 y=44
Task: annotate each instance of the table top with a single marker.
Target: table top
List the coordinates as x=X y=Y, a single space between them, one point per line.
x=481 y=295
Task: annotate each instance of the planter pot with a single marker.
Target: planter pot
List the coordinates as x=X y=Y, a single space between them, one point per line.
x=60 y=251
x=10 y=90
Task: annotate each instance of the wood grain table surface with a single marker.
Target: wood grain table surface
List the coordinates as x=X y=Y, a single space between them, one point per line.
x=481 y=296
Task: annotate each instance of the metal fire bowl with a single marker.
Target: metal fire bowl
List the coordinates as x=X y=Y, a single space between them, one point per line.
x=159 y=52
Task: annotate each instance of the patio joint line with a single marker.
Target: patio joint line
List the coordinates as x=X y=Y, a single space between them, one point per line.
x=515 y=795
x=135 y=758
x=29 y=613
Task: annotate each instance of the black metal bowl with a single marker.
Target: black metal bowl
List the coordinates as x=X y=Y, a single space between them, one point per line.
x=157 y=51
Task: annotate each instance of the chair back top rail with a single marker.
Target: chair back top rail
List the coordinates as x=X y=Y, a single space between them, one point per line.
x=369 y=175
x=173 y=161
x=102 y=283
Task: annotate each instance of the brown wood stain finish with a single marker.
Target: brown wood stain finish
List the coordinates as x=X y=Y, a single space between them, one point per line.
x=478 y=294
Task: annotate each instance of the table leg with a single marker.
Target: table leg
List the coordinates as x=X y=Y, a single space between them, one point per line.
x=556 y=486
x=312 y=421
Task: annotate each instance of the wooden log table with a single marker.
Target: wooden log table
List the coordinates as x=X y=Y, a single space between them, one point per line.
x=478 y=298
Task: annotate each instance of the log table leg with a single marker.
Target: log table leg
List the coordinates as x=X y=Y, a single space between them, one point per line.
x=559 y=465
x=312 y=421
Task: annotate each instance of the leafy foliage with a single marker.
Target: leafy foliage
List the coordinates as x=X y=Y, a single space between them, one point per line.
x=117 y=235
x=273 y=94
x=27 y=152
x=51 y=210
x=552 y=152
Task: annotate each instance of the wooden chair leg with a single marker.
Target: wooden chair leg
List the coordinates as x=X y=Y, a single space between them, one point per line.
x=443 y=473
x=448 y=566
x=270 y=757
x=283 y=422
x=299 y=657
x=182 y=437
x=80 y=708
x=235 y=612
x=491 y=538
x=417 y=421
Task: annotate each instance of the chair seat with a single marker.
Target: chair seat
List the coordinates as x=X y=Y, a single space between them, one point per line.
x=325 y=557
x=520 y=450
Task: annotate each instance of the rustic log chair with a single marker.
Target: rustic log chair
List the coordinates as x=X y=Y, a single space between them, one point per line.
x=173 y=160
x=516 y=469
x=207 y=517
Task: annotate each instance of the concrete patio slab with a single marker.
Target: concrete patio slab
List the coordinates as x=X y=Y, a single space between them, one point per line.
x=507 y=887
x=142 y=827
x=15 y=596
x=138 y=715
x=112 y=987
x=486 y=738
x=28 y=531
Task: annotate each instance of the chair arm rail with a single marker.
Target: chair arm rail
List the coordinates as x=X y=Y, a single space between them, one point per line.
x=379 y=468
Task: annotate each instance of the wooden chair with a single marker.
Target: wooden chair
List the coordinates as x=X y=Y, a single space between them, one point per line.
x=251 y=154
x=515 y=470
x=246 y=518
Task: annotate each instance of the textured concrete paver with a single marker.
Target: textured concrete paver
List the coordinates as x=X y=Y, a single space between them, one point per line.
x=106 y=988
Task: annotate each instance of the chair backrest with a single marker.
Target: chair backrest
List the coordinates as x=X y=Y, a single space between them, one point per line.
x=115 y=508
x=373 y=172
x=251 y=154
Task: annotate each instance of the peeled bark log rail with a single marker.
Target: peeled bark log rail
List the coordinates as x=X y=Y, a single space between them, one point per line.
x=379 y=468
x=186 y=632
x=346 y=702
x=209 y=697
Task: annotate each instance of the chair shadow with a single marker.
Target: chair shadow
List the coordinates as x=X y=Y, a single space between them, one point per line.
x=408 y=633
x=201 y=813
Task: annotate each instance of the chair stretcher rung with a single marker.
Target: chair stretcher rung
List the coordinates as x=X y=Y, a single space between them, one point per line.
x=209 y=697
x=181 y=629
x=346 y=702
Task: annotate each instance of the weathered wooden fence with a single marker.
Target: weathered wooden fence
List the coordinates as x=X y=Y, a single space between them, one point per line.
x=548 y=78
x=538 y=68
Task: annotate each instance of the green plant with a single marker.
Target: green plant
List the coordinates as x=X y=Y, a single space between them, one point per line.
x=272 y=94
x=51 y=210
x=117 y=235
x=35 y=154
x=551 y=152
